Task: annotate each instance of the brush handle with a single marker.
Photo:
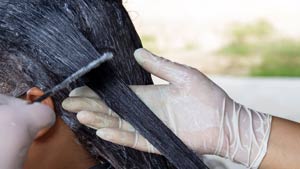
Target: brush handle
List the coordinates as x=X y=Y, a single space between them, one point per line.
x=43 y=97
x=81 y=72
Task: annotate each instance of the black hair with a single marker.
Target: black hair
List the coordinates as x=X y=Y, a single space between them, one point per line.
x=43 y=41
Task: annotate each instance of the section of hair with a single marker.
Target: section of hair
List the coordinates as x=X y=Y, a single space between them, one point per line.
x=50 y=39
x=12 y=79
x=44 y=41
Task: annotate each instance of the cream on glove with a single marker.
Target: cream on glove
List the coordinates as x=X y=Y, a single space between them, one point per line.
x=198 y=111
x=19 y=125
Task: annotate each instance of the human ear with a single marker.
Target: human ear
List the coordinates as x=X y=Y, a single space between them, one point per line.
x=31 y=95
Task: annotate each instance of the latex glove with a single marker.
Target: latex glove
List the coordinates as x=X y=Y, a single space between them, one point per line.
x=19 y=124
x=198 y=111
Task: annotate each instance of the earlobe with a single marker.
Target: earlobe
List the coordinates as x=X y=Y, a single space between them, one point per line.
x=31 y=95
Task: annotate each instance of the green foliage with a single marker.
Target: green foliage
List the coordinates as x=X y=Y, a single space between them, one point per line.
x=279 y=57
x=285 y=47
x=237 y=49
x=244 y=38
x=258 y=30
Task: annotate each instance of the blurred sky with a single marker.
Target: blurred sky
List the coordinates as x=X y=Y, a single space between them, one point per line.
x=208 y=19
x=282 y=13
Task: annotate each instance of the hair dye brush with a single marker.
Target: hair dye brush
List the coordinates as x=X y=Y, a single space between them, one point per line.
x=81 y=72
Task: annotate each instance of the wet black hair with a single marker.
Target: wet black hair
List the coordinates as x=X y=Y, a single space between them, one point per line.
x=43 y=41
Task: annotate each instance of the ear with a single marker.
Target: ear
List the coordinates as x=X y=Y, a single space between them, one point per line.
x=34 y=93
x=31 y=95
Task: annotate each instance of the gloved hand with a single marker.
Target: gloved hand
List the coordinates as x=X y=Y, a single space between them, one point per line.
x=198 y=111
x=19 y=125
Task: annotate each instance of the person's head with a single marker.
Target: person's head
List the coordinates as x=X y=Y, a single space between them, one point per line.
x=43 y=41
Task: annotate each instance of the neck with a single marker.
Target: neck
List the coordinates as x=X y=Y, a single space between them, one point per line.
x=58 y=149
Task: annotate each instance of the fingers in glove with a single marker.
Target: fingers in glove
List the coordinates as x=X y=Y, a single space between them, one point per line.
x=125 y=138
x=83 y=91
x=77 y=104
x=101 y=120
x=160 y=67
x=8 y=100
x=40 y=116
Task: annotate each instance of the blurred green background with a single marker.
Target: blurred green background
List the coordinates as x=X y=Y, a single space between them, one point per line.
x=280 y=56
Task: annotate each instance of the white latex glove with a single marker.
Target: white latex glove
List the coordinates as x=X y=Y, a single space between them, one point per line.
x=198 y=111
x=19 y=125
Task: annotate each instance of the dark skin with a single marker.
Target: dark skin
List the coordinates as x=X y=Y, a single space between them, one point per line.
x=284 y=146
x=56 y=147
